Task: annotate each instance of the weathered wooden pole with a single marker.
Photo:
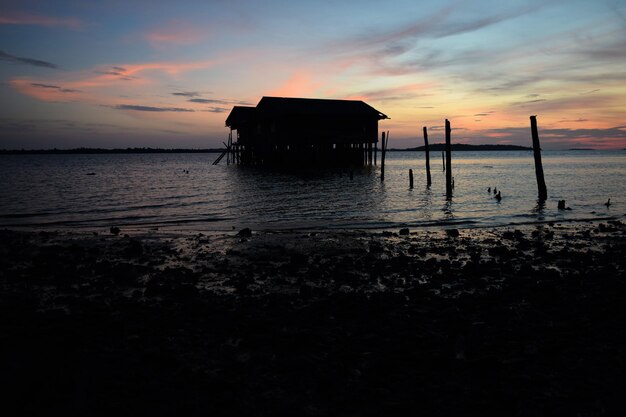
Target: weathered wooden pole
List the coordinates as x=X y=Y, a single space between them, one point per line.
x=382 y=158
x=427 y=152
x=363 y=151
x=375 y=153
x=411 y=179
x=230 y=135
x=448 y=161
x=541 y=182
x=230 y=147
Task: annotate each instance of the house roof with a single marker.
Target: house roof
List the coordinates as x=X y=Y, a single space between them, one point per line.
x=240 y=115
x=269 y=106
x=316 y=106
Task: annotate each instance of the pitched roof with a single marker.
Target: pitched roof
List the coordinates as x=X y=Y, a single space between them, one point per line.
x=316 y=106
x=240 y=115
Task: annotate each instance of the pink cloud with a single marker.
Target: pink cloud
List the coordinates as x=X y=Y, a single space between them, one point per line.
x=171 y=68
x=52 y=92
x=137 y=73
x=300 y=84
x=401 y=92
x=498 y=135
x=176 y=32
x=39 y=20
x=102 y=86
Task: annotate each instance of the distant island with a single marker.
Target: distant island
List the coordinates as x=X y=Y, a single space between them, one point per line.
x=436 y=147
x=581 y=149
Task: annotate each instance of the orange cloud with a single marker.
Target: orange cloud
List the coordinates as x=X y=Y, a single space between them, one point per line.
x=49 y=21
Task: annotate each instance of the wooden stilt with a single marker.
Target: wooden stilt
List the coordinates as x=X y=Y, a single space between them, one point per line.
x=411 y=179
x=443 y=161
x=230 y=135
x=375 y=153
x=383 y=148
x=427 y=153
x=230 y=146
x=363 y=150
x=541 y=183
x=448 y=161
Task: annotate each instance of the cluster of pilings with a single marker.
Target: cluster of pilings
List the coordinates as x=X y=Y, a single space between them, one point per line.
x=305 y=154
x=359 y=154
x=447 y=160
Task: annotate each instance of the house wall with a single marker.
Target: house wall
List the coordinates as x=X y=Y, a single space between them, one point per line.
x=321 y=130
x=308 y=140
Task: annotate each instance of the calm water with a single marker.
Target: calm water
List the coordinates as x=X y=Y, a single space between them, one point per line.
x=153 y=190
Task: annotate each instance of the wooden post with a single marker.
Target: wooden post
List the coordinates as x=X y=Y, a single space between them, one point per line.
x=382 y=159
x=230 y=135
x=541 y=183
x=386 y=144
x=363 y=147
x=411 y=179
x=443 y=161
x=427 y=152
x=375 y=153
x=230 y=147
x=448 y=161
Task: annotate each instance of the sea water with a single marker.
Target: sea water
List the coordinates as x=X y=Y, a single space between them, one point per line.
x=184 y=191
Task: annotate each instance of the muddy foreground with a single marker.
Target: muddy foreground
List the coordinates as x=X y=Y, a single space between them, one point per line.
x=521 y=321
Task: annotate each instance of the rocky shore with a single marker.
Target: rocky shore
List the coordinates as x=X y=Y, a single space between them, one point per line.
x=525 y=321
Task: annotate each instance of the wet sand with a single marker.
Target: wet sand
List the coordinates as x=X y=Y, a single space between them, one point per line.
x=525 y=320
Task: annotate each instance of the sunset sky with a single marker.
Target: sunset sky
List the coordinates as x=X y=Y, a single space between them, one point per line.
x=167 y=73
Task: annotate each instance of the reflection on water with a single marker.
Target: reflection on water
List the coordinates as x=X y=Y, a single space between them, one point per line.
x=186 y=191
x=541 y=205
x=303 y=199
x=447 y=208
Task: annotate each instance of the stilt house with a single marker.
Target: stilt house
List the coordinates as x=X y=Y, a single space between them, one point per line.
x=302 y=131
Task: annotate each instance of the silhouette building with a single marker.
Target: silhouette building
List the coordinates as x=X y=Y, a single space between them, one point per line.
x=283 y=131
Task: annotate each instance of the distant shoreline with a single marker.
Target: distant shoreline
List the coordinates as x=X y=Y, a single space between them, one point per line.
x=88 y=151
x=436 y=147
